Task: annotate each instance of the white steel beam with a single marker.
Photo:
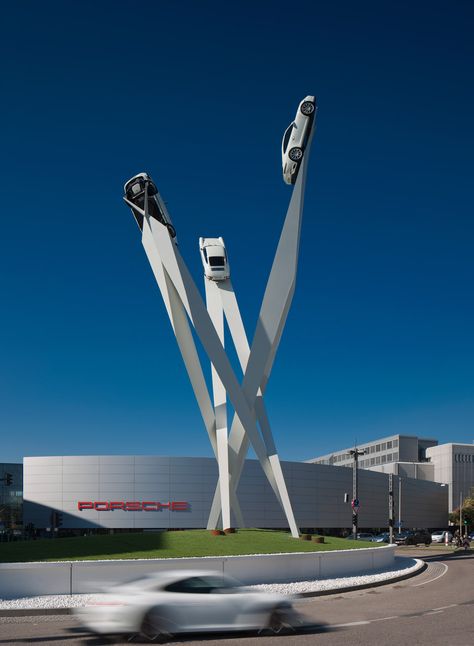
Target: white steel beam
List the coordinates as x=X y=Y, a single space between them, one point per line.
x=192 y=302
x=216 y=313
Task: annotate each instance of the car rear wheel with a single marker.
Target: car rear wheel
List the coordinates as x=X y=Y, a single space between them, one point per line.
x=152 y=628
x=279 y=622
x=307 y=108
x=295 y=154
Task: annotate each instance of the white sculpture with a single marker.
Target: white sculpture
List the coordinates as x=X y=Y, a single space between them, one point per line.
x=184 y=304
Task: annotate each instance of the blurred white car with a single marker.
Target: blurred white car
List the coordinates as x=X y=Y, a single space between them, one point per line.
x=162 y=604
x=296 y=137
x=135 y=190
x=214 y=258
x=440 y=536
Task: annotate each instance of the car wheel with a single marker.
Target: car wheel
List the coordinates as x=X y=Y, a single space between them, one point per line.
x=171 y=230
x=295 y=154
x=152 y=627
x=279 y=622
x=307 y=108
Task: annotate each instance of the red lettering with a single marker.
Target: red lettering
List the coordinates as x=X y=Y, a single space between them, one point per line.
x=103 y=505
x=179 y=506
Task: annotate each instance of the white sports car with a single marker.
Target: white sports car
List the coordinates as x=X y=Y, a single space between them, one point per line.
x=135 y=190
x=296 y=137
x=167 y=603
x=214 y=258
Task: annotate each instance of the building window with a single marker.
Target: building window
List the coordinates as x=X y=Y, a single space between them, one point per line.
x=395 y=456
x=384 y=459
x=372 y=449
x=377 y=460
x=377 y=448
x=372 y=461
x=389 y=445
x=395 y=444
x=390 y=457
x=384 y=446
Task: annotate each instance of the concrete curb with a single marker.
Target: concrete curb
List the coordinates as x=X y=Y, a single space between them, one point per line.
x=38 y=612
x=362 y=586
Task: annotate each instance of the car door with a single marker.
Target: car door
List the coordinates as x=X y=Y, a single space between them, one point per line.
x=196 y=603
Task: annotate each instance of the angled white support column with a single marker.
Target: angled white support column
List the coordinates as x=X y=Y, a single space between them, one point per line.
x=214 y=308
x=179 y=322
x=180 y=325
x=273 y=314
x=226 y=293
x=194 y=306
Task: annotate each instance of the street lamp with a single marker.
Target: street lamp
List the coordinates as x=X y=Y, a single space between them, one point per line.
x=355 y=498
x=399 y=504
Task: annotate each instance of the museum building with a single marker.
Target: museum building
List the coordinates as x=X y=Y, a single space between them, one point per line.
x=151 y=492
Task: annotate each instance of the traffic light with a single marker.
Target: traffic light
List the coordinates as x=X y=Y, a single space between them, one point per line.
x=8 y=479
x=465 y=522
x=56 y=519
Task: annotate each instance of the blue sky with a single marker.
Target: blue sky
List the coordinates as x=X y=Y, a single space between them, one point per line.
x=380 y=336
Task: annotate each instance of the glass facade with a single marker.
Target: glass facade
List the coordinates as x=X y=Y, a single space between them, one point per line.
x=11 y=496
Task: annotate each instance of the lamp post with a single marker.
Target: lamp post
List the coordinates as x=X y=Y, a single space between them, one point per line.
x=460 y=515
x=355 y=452
x=399 y=504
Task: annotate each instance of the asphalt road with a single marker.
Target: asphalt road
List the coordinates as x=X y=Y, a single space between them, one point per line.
x=434 y=608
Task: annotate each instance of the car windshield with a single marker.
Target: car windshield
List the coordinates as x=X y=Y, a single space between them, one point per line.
x=217 y=261
x=286 y=136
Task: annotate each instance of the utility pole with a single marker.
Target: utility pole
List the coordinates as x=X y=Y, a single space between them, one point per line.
x=355 y=498
x=399 y=504
x=390 y=506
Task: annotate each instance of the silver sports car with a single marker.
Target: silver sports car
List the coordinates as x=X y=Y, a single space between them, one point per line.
x=135 y=190
x=163 y=604
x=296 y=137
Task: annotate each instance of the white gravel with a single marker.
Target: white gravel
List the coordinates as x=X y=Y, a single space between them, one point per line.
x=401 y=567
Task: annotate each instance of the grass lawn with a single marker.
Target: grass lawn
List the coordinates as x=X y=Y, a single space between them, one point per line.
x=196 y=542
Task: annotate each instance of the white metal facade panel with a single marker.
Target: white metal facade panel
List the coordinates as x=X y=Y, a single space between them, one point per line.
x=316 y=492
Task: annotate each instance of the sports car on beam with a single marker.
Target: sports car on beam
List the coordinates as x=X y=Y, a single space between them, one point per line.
x=214 y=258
x=296 y=137
x=135 y=190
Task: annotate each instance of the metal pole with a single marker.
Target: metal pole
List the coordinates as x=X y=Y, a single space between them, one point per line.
x=354 y=496
x=399 y=504
x=390 y=507
x=460 y=516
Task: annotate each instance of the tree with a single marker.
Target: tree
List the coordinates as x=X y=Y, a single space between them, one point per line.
x=467 y=512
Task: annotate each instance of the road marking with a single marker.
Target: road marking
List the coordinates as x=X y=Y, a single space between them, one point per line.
x=385 y=618
x=433 y=612
x=435 y=578
x=452 y=605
